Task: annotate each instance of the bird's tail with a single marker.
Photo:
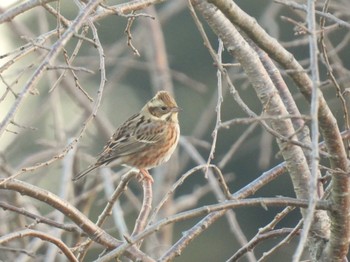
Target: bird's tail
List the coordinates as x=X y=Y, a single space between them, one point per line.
x=85 y=172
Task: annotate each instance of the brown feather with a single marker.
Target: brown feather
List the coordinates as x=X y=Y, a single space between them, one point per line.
x=146 y=139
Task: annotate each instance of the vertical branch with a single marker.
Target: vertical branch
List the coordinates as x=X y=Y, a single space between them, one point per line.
x=231 y=217
x=314 y=129
x=142 y=218
x=218 y=106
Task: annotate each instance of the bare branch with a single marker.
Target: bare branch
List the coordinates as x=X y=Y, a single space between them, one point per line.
x=206 y=210
x=19 y=9
x=34 y=233
x=40 y=219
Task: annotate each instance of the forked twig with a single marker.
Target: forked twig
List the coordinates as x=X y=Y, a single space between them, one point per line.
x=127 y=31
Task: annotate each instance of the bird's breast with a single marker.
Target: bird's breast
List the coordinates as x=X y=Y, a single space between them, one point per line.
x=159 y=152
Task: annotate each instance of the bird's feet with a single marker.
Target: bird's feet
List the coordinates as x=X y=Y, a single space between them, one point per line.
x=144 y=174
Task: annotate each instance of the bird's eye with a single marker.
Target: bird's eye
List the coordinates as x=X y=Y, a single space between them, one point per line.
x=163 y=108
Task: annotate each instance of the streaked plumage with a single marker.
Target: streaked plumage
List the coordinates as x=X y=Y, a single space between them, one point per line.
x=146 y=140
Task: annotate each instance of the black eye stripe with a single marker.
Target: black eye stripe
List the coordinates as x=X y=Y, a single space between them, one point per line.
x=159 y=110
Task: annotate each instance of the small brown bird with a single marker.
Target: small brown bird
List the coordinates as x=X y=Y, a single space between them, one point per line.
x=145 y=140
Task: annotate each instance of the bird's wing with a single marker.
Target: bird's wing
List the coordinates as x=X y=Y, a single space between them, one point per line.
x=132 y=137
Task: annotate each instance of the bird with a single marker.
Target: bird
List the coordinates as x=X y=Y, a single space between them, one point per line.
x=145 y=140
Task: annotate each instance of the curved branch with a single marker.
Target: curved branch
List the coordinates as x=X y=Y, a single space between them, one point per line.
x=13 y=12
x=46 y=237
x=94 y=232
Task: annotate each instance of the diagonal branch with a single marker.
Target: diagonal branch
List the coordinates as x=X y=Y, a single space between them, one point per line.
x=50 y=57
x=93 y=231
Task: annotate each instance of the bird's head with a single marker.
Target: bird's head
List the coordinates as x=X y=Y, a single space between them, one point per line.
x=162 y=107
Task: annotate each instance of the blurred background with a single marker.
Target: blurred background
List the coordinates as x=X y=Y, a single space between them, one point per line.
x=46 y=123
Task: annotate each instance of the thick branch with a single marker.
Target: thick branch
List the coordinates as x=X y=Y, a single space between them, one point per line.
x=93 y=231
x=340 y=226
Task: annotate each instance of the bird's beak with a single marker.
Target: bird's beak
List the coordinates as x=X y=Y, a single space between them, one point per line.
x=176 y=109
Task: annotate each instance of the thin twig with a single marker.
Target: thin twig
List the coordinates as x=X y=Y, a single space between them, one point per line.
x=83 y=248
x=251 y=120
x=285 y=241
x=117 y=211
x=174 y=187
x=305 y=8
x=40 y=219
x=31 y=254
x=77 y=23
x=255 y=241
x=268 y=228
x=218 y=105
x=228 y=156
x=127 y=31
x=72 y=68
